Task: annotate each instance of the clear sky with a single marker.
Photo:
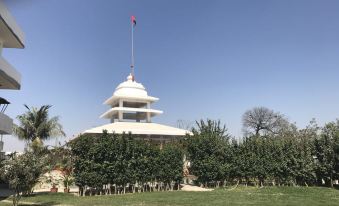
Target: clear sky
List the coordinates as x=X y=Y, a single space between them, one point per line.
x=203 y=59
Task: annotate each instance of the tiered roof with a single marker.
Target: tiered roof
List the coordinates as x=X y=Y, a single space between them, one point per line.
x=131 y=112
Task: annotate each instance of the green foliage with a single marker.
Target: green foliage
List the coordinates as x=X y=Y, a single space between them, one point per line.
x=327 y=153
x=109 y=161
x=35 y=125
x=171 y=164
x=208 y=151
x=22 y=172
x=290 y=157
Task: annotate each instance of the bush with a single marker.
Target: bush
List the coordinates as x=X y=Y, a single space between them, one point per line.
x=22 y=172
x=121 y=163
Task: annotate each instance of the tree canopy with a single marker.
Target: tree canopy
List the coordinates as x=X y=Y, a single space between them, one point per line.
x=261 y=120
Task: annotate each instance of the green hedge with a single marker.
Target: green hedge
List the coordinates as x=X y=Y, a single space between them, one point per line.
x=110 y=163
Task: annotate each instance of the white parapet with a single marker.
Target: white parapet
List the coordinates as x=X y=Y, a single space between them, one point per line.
x=139 y=128
x=6 y=124
x=10 y=32
x=10 y=78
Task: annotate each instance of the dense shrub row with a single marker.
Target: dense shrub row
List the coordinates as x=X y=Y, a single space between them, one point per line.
x=292 y=157
x=116 y=164
x=119 y=164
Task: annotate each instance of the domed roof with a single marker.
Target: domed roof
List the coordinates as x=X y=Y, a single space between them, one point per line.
x=130 y=88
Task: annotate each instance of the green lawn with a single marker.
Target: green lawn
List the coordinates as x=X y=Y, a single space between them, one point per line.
x=241 y=196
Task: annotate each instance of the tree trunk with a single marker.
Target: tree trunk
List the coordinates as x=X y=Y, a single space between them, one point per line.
x=224 y=183
x=261 y=182
x=16 y=198
x=153 y=186
x=84 y=191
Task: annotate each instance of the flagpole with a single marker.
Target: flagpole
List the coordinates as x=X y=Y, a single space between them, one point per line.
x=132 y=57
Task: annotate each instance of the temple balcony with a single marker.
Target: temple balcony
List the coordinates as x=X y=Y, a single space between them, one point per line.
x=113 y=112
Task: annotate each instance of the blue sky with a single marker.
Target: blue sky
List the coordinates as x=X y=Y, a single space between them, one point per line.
x=203 y=59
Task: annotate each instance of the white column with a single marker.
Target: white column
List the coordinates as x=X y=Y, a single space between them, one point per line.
x=161 y=142
x=148 y=118
x=1 y=46
x=121 y=103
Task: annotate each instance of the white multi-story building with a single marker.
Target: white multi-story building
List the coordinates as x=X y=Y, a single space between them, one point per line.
x=11 y=36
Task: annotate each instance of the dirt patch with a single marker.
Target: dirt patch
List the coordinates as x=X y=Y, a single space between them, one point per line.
x=194 y=188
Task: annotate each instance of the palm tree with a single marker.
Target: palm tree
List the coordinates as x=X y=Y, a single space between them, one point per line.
x=35 y=125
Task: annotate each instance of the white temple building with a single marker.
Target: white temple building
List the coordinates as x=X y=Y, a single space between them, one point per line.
x=131 y=112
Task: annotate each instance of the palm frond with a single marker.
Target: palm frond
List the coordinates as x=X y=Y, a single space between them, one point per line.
x=35 y=123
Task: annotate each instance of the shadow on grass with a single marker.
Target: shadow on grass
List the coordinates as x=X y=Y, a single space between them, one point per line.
x=51 y=203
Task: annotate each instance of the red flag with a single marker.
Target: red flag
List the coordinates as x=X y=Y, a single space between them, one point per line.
x=133 y=21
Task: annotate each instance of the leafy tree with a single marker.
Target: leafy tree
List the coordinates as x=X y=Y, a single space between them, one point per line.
x=171 y=161
x=207 y=152
x=327 y=153
x=304 y=141
x=22 y=172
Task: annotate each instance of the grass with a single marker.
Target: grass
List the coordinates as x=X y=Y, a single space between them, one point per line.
x=300 y=196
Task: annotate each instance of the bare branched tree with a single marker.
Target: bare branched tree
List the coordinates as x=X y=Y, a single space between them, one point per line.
x=262 y=121
x=185 y=124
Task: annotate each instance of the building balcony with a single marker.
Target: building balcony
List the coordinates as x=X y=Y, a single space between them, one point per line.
x=130 y=113
x=10 y=78
x=11 y=35
x=6 y=124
